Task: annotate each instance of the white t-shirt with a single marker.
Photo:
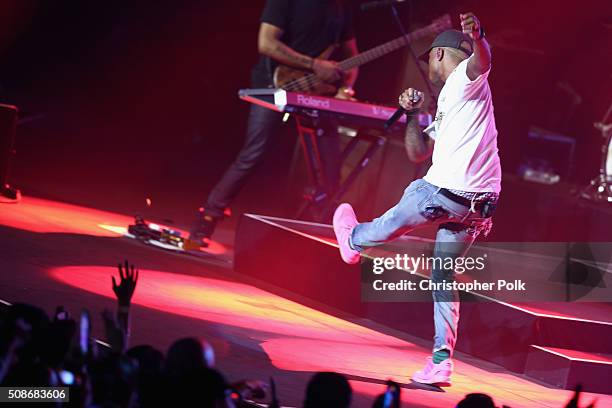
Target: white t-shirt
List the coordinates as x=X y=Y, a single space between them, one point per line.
x=465 y=152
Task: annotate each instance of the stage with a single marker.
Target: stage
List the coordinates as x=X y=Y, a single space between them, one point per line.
x=55 y=253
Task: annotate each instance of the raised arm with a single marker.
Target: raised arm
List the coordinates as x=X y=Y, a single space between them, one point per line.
x=480 y=62
x=128 y=277
x=269 y=44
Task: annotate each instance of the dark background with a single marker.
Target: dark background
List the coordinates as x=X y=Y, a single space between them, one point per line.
x=124 y=100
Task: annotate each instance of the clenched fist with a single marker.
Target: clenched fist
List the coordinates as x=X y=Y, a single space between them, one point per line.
x=470 y=25
x=411 y=99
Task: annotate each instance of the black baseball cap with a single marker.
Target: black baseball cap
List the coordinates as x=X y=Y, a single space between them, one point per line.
x=450 y=39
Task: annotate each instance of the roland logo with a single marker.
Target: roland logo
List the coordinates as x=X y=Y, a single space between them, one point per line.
x=382 y=112
x=313 y=102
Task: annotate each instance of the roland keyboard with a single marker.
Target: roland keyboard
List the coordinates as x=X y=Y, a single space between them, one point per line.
x=348 y=112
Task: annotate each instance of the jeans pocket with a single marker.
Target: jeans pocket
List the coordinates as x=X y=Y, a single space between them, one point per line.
x=455 y=211
x=432 y=210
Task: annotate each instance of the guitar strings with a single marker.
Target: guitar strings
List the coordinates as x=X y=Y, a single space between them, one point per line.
x=311 y=79
x=306 y=81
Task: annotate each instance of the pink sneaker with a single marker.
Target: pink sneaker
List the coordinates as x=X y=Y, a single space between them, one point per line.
x=344 y=222
x=435 y=373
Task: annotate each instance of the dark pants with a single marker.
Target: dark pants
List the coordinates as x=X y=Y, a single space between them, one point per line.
x=262 y=126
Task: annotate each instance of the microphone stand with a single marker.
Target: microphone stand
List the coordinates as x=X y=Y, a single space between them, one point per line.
x=400 y=25
x=434 y=97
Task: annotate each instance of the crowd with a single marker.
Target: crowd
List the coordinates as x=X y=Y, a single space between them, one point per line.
x=42 y=351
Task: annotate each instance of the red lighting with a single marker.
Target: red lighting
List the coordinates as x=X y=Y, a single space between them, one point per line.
x=298 y=338
x=46 y=216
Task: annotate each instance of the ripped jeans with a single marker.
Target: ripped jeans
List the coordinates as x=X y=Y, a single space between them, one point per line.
x=422 y=205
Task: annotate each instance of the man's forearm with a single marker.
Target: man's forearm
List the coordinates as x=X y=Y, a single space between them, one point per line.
x=480 y=62
x=284 y=54
x=482 y=54
x=417 y=146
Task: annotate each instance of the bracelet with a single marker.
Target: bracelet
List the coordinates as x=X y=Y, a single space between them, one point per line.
x=482 y=34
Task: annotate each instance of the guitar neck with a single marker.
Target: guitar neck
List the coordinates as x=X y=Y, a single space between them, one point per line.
x=383 y=49
x=374 y=53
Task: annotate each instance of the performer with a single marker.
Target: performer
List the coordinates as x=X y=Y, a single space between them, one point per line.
x=461 y=188
x=293 y=33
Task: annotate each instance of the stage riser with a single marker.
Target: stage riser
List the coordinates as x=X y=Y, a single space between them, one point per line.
x=290 y=261
x=565 y=373
x=592 y=337
x=314 y=270
x=303 y=266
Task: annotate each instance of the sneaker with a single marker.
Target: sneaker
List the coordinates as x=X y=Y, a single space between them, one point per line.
x=344 y=222
x=435 y=373
x=9 y=195
x=202 y=229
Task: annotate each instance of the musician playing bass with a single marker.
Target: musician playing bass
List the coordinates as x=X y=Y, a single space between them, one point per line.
x=296 y=34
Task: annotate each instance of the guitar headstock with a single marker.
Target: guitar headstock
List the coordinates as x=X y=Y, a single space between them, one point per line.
x=440 y=24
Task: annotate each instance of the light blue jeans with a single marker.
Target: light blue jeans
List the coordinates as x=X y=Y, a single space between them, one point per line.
x=421 y=205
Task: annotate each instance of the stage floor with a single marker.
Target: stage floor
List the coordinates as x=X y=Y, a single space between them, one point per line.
x=53 y=253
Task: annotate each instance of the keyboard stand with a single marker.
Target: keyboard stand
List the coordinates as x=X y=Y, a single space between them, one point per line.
x=317 y=200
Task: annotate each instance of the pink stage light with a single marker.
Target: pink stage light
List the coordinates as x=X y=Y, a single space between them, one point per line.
x=298 y=338
x=47 y=216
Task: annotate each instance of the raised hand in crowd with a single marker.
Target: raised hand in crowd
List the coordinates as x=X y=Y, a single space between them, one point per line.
x=125 y=289
x=573 y=403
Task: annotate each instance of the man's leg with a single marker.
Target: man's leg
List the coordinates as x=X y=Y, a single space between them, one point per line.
x=262 y=124
x=398 y=220
x=405 y=216
x=452 y=241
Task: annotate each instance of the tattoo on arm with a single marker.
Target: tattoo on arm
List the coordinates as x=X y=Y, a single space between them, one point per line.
x=269 y=44
x=288 y=56
x=418 y=145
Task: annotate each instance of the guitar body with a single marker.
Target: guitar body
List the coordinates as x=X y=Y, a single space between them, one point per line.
x=300 y=80
x=284 y=77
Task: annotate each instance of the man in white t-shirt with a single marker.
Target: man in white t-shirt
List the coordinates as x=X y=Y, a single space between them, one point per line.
x=459 y=192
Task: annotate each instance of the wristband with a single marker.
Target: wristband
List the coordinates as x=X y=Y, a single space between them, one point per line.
x=482 y=34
